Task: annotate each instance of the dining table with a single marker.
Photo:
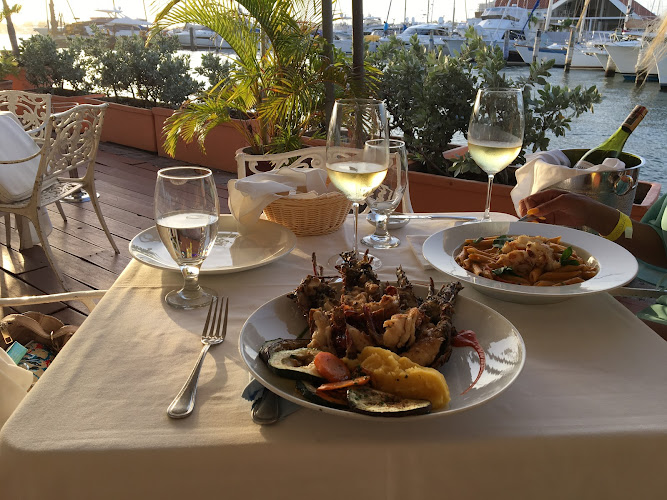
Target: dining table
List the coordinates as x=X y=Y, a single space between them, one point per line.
x=586 y=417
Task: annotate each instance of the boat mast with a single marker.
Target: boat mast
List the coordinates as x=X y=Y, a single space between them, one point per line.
x=627 y=15
x=54 y=22
x=582 y=17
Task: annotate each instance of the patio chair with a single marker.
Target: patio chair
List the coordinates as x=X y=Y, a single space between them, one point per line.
x=32 y=111
x=71 y=141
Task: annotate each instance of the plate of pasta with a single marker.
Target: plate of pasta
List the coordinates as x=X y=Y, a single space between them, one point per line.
x=530 y=263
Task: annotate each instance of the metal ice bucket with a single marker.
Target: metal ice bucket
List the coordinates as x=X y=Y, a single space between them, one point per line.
x=615 y=189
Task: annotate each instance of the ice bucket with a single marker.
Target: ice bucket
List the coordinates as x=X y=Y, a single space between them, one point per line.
x=615 y=189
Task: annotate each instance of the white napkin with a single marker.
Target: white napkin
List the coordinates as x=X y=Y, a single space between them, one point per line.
x=14 y=384
x=249 y=196
x=416 y=242
x=546 y=168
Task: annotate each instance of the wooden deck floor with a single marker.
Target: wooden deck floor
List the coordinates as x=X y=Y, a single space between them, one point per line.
x=125 y=180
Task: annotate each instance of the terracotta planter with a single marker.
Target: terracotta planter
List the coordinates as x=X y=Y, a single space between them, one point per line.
x=19 y=81
x=221 y=144
x=6 y=84
x=436 y=193
x=646 y=195
x=63 y=103
x=128 y=126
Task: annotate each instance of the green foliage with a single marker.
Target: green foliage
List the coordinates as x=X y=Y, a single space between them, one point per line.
x=430 y=97
x=47 y=67
x=151 y=73
x=8 y=64
x=214 y=70
x=279 y=90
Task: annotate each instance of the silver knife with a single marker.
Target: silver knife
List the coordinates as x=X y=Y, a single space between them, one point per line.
x=430 y=216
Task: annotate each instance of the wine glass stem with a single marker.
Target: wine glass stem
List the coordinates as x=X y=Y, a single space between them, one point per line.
x=381 y=226
x=355 y=211
x=487 y=210
x=191 y=279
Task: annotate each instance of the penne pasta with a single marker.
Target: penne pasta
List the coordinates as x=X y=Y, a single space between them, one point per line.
x=524 y=260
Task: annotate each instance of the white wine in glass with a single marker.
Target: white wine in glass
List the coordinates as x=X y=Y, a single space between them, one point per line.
x=186 y=217
x=495 y=134
x=355 y=165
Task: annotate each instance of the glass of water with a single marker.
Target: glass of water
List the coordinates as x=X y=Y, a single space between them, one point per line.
x=186 y=216
x=384 y=200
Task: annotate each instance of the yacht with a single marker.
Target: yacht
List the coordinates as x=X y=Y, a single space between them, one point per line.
x=436 y=34
x=201 y=37
x=661 y=66
x=625 y=54
x=498 y=26
x=582 y=56
x=114 y=23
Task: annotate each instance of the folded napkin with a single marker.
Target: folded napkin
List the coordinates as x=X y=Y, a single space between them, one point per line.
x=249 y=196
x=14 y=384
x=546 y=168
x=16 y=179
x=416 y=242
x=254 y=391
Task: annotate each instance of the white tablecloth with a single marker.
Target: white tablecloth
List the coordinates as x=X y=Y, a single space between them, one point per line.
x=587 y=417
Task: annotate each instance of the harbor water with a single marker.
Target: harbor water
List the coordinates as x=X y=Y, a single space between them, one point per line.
x=619 y=96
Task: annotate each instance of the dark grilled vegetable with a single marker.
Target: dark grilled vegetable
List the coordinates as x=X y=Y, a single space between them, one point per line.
x=271 y=346
x=309 y=391
x=369 y=401
x=296 y=364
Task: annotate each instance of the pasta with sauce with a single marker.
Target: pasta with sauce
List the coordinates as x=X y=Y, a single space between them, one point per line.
x=525 y=260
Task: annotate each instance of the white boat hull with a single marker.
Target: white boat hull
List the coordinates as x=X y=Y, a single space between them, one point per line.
x=203 y=39
x=558 y=53
x=624 y=55
x=661 y=66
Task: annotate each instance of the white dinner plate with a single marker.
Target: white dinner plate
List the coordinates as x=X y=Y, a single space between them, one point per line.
x=617 y=266
x=236 y=248
x=502 y=344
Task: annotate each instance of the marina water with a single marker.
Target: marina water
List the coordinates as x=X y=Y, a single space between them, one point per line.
x=619 y=96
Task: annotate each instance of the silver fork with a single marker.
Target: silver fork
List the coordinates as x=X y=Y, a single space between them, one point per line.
x=184 y=402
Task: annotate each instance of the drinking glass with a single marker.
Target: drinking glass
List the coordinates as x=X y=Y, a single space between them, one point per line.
x=186 y=216
x=355 y=165
x=384 y=200
x=495 y=134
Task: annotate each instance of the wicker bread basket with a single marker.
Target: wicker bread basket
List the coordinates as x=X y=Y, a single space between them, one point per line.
x=310 y=216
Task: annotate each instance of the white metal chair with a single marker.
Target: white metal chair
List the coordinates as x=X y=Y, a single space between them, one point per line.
x=87 y=298
x=32 y=110
x=71 y=142
x=313 y=157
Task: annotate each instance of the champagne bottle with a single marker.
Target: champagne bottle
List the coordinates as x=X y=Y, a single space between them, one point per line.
x=613 y=147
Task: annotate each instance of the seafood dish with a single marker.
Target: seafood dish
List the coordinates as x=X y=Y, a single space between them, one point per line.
x=525 y=260
x=370 y=347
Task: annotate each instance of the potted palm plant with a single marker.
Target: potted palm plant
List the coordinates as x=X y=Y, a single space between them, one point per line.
x=275 y=90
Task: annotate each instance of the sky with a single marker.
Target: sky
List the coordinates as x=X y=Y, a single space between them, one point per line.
x=34 y=11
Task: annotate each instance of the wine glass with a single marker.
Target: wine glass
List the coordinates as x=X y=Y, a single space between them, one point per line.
x=355 y=165
x=495 y=134
x=384 y=200
x=186 y=216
